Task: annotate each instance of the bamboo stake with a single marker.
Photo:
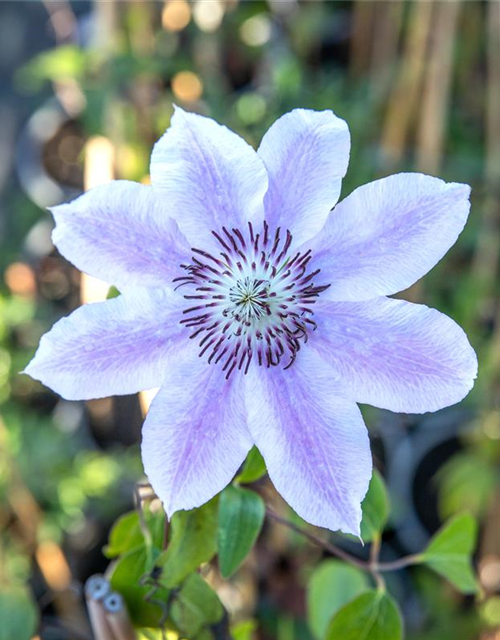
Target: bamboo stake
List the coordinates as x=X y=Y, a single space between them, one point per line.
x=99 y=168
x=362 y=33
x=96 y=589
x=387 y=33
x=487 y=253
x=117 y=617
x=106 y=19
x=437 y=85
x=404 y=98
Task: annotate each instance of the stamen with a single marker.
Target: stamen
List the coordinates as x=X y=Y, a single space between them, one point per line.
x=254 y=299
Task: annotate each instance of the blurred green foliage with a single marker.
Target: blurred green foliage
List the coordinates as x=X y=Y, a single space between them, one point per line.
x=66 y=474
x=373 y=615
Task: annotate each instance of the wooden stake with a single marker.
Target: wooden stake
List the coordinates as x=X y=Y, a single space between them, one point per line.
x=437 y=85
x=96 y=588
x=486 y=258
x=118 y=618
x=404 y=99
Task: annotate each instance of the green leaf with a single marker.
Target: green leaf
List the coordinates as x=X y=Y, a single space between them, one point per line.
x=196 y=606
x=449 y=552
x=466 y=482
x=332 y=585
x=126 y=578
x=112 y=293
x=245 y=630
x=67 y=61
x=371 y=616
x=155 y=522
x=124 y=536
x=253 y=469
x=205 y=634
x=241 y=515
x=149 y=634
x=375 y=508
x=192 y=543
x=126 y=533
x=18 y=613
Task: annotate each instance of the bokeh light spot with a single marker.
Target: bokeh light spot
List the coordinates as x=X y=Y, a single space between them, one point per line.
x=491 y=611
x=176 y=15
x=208 y=14
x=489 y=573
x=20 y=279
x=256 y=31
x=187 y=86
x=251 y=108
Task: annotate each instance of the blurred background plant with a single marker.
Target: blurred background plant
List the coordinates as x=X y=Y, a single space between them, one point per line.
x=86 y=88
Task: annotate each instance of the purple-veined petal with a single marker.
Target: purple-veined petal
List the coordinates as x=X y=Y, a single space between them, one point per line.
x=313 y=440
x=195 y=436
x=121 y=233
x=394 y=354
x=110 y=348
x=387 y=234
x=210 y=177
x=306 y=154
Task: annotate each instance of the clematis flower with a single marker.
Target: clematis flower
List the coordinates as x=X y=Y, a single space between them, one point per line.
x=261 y=313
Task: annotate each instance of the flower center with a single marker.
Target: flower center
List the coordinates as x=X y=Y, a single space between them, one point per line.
x=254 y=299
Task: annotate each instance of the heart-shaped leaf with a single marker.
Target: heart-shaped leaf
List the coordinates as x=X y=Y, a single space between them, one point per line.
x=449 y=552
x=332 y=585
x=18 y=614
x=375 y=508
x=241 y=515
x=195 y=606
x=193 y=541
x=371 y=616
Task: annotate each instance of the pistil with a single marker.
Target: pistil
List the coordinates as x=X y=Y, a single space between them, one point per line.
x=254 y=299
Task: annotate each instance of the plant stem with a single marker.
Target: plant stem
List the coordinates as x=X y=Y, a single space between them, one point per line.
x=373 y=566
x=331 y=548
x=399 y=564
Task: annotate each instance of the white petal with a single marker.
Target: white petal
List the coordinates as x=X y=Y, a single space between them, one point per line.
x=388 y=234
x=195 y=435
x=306 y=154
x=210 y=177
x=120 y=346
x=313 y=440
x=121 y=233
x=394 y=354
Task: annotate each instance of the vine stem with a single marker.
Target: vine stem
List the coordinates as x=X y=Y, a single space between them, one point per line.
x=415 y=558
x=373 y=566
x=331 y=548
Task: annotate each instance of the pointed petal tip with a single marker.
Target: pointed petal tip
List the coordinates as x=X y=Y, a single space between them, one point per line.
x=352 y=523
x=462 y=187
x=171 y=505
x=55 y=209
x=179 y=113
x=169 y=512
x=460 y=193
x=30 y=368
